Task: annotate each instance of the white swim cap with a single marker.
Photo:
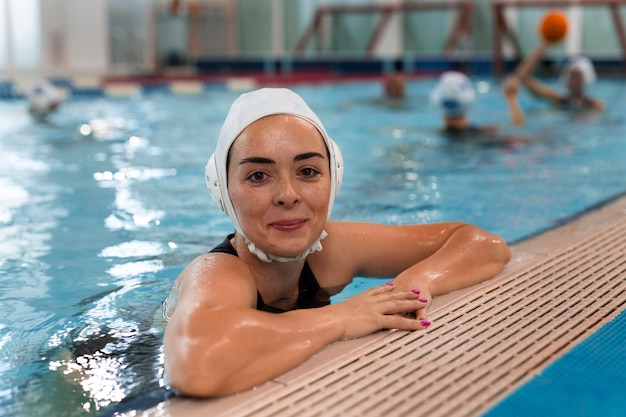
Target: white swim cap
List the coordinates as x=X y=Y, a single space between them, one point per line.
x=248 y=108
x=453 y=94
x=584 y=65
x=43 y=99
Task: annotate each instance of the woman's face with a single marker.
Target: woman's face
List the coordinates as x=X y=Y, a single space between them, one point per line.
x=279 y=183
x=575 y=82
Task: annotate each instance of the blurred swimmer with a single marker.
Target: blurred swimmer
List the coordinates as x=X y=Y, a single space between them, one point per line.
x=394 y=86
x=454 y=95
x=577 y=73
x=43 y=99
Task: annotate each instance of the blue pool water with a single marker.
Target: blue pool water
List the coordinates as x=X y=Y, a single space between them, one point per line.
x=587 y=381
x=102 y=207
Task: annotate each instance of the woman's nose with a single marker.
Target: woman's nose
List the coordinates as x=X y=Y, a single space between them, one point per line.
x=286 y=194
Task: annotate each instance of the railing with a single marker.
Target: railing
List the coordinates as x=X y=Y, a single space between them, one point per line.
x=462 y=28
x=502 y=31
x=209 y=29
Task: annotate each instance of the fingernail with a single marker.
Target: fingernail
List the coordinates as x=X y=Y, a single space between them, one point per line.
x=424 y=323
x=416 y=292
x=389 y=283
x=423 y=300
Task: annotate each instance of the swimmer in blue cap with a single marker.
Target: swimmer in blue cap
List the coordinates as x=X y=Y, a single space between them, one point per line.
x=454 y=95
x=275 y=172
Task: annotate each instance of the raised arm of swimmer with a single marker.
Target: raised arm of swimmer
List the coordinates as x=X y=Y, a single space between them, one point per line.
x=525 y=69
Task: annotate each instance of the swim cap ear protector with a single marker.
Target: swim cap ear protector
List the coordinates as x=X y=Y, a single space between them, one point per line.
x=584 y=65
x=454 y=94
x=213 y=183
x=248 y=108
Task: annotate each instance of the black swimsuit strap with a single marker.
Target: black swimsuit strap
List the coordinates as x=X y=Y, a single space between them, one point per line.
x=310 y=294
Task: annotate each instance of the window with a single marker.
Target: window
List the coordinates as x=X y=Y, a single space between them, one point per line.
x=20 y=34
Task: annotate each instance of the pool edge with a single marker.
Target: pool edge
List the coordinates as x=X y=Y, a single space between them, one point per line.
x=526 y=252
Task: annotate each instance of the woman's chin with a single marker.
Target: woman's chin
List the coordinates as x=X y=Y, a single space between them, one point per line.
x=290 y=249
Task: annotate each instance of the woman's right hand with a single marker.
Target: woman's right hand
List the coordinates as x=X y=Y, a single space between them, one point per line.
x=380 y=308
x=511 y=86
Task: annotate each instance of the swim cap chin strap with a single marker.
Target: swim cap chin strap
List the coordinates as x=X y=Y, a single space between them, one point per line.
x=266 y=257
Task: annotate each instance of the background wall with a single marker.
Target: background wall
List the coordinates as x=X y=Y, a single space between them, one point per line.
x=103 y=37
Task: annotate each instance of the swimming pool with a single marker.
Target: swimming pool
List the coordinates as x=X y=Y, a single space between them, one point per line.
x=102 y=207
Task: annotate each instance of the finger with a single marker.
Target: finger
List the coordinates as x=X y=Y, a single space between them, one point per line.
x=399 y=296
x=404 y=323
x=388 y=288
x=401 y=303
x=381 y=289
x=389 y=285
x=422 y=317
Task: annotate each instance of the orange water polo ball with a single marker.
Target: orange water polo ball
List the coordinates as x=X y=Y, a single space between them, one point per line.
x=553 y=26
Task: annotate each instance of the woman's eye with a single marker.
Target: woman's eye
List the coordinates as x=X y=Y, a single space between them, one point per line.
x=257 y=177
x=309 y=172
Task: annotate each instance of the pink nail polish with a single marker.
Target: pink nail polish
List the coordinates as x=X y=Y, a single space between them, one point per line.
x=423 y=300
x=389 y=283
x=424 y=323
x=416 y=292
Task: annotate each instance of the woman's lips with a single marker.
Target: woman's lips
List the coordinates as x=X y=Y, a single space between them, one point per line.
x=288 y=225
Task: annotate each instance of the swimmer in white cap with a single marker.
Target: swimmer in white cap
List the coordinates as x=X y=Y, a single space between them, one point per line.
x=454 y=95
x=577 y=73
x=43 y=99
x=275 y=172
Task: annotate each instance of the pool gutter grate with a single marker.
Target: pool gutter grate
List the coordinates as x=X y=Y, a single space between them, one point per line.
x=479 y=347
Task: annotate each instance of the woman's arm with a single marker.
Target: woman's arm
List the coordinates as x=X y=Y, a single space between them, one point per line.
x=217 y=343
x=469 y=255
x=435 y=258
x=596 y=104
x=511 y=89
x=524 y=72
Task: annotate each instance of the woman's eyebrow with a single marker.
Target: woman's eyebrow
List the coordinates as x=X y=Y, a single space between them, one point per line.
x=308 y=155
x=256 y=160
x=264 y=160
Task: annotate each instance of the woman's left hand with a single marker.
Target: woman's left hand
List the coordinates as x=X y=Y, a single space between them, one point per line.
x=420 y=287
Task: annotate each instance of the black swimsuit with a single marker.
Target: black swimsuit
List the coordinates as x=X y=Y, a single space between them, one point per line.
x=476 y=135
x=310 y=295
x=464 y=133
x=575 y=103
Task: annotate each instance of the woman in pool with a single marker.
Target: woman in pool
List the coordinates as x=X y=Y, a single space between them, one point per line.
x=276 y=172
x=577 y=74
